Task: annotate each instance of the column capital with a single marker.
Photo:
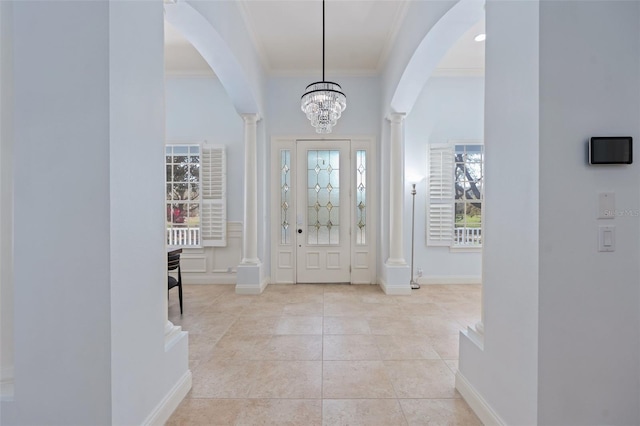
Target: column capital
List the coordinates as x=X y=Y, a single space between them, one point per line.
x=396 y=117
x=251 y=118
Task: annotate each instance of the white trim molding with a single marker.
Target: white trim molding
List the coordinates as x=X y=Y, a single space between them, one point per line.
x=450 y=279
x=483 y=410
x=475 y=334
x=172 y=334
x=229 y=278
x=213 y=265
x=170 y=402
x=395 y=290
x=251 y=289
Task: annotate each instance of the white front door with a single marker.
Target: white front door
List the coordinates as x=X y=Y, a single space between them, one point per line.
x=326 y=189
x=323 y=213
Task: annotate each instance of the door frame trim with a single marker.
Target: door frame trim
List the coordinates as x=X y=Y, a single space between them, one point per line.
x=283 y=256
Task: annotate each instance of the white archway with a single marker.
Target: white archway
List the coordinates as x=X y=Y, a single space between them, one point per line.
x=216 y=52
x=198 y=26
x=432 y=49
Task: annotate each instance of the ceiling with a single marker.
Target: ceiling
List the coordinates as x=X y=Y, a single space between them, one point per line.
x=287 y=35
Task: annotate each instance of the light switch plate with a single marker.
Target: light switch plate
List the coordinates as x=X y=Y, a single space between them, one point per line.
x=606 y=205
x=606 y=238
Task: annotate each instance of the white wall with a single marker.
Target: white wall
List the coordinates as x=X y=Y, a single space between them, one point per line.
x=198 y=108
x=144 y=367
x=589 y=318
x=90 y=270
x=561 y=342
x=361 y=117
x=62 y=291
x=6 y=206
x=448 y=108
x=504 y=371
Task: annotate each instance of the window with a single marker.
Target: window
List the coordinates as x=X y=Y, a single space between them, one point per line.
x=361 y=197
x=195 y=199
x=468 y=174
x=456 y=194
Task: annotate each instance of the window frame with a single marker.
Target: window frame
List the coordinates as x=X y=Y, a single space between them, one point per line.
x=168 y=202
x=212 y=200
x=440 y=194
x=454 y=245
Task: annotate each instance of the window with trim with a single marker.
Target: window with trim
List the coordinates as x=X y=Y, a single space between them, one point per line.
x=195 y=198
x=456 y=194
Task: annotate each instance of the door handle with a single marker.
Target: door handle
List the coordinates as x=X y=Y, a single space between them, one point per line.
x=299 y=230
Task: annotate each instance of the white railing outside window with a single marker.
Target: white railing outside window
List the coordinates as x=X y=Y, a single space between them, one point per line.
x=183 y=236
x=467 y=236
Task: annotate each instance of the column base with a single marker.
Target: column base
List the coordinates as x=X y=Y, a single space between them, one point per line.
x=396 y=279
x=249 y=279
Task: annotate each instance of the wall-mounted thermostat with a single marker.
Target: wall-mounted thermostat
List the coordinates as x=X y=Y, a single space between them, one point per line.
x=610 y=150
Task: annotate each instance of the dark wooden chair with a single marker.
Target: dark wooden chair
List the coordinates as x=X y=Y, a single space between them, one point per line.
x=173 y=260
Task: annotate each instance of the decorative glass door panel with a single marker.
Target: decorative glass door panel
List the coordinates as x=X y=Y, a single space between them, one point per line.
x=323 y=252
x=323 y=188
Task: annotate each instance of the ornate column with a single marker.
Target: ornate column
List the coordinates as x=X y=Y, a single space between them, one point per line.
x=396 y=185
x=249 y=279
x=397 y=272
x=250 y=229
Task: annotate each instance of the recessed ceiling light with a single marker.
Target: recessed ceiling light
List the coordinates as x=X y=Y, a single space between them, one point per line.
x=480 y=37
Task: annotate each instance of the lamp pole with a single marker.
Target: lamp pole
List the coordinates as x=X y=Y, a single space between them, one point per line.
x=414 y=285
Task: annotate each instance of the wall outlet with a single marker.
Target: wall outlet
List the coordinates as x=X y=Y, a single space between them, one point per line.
x=230 y=270
x=419 y=272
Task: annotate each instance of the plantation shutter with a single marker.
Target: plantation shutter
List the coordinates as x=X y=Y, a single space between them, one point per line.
x=213 y=176
x=440 y=213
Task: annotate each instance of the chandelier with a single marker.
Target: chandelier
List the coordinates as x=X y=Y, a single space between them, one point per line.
x=323 y=101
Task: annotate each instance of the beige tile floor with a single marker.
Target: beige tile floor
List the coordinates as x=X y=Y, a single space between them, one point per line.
x=324 y=355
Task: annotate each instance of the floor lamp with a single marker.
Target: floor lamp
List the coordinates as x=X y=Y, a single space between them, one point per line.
x=414 y=285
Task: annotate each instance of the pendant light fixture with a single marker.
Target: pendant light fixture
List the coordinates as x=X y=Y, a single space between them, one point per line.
x=323 y=101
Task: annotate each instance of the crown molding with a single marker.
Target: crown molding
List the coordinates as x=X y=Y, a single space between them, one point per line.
x=392 y=35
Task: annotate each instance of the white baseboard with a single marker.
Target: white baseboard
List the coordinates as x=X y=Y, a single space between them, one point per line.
x=251 y=289
x=390 y=290
x=450 y=279
x=222 y=279
x=170 y=402
x=483 y=410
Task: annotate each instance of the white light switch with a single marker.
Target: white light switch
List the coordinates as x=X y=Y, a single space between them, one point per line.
x=606 y=238
x=606 y=205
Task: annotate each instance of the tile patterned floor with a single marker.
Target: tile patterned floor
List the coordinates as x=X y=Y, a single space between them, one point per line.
x=324 y=355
